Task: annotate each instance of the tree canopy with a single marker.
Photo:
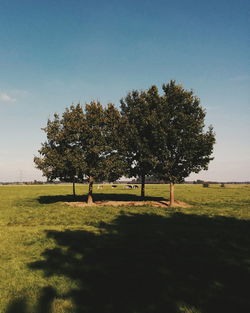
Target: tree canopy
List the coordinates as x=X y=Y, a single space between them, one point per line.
x=139 y=110
x=183 y=144
x=82 y=144
x=59 y=157
x=152 y=134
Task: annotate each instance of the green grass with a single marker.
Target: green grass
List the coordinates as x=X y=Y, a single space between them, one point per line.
x=56 y=258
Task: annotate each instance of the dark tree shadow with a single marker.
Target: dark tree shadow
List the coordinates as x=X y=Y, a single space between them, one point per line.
x=44 y=304
x=17 y=306
x=47 y=296
x=97 y=197
x=152 y=264
x=60 y=198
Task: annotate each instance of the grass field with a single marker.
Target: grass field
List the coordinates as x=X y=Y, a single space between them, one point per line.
x=56 y=258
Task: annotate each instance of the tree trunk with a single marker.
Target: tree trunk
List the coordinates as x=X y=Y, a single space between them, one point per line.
x=74 y=188
x=90 y=197
x=171 y=203
x=142 y=186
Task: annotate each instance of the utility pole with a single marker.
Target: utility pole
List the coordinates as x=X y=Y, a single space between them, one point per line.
x=20 y=176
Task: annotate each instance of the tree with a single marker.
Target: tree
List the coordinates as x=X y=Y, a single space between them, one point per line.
x=139 y=110
x=99 y=139
x=58 y=156
x=183 y=145
x=82 y=144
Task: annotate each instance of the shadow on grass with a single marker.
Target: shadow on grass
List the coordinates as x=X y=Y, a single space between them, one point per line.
x=145 y=263
x=18 y=306
x=97 y=197
x=44 y=304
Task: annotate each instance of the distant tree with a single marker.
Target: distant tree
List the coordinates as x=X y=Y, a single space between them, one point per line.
x=139 y=110
x=82 y=144
x=199 y=181
x=183 y=145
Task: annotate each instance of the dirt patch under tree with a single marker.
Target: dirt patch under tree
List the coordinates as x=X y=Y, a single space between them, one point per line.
x=160 y=204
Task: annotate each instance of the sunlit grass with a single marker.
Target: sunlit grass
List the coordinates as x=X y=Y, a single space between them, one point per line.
x=28 y=213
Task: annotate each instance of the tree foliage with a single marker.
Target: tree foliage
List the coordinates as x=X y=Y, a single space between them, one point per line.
x=183 y=144
x=82 y=144
x=139 y=110
x=59 y=157
x=153 y=134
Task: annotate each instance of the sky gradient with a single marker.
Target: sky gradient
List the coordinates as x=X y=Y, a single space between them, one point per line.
x=57 y=52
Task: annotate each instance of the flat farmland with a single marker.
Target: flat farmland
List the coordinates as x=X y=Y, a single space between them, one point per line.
x=60 y=258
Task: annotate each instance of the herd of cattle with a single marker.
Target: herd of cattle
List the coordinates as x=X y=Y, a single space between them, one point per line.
x=125 y=186
x=128 y=186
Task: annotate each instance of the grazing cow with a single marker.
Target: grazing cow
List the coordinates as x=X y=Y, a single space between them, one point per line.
x=114 y=186
x=135 y=186
x=100 y=187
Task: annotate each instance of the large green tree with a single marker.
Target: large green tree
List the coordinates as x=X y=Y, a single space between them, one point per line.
x=99 y=140
x=58 y=157
x=184 y=146
x=82 y=144
x=139 y=110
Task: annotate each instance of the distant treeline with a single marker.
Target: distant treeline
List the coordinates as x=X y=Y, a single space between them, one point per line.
x=216 y=182
x=134 y=181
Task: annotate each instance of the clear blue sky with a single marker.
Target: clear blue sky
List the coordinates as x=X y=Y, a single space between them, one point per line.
x=55 y=52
